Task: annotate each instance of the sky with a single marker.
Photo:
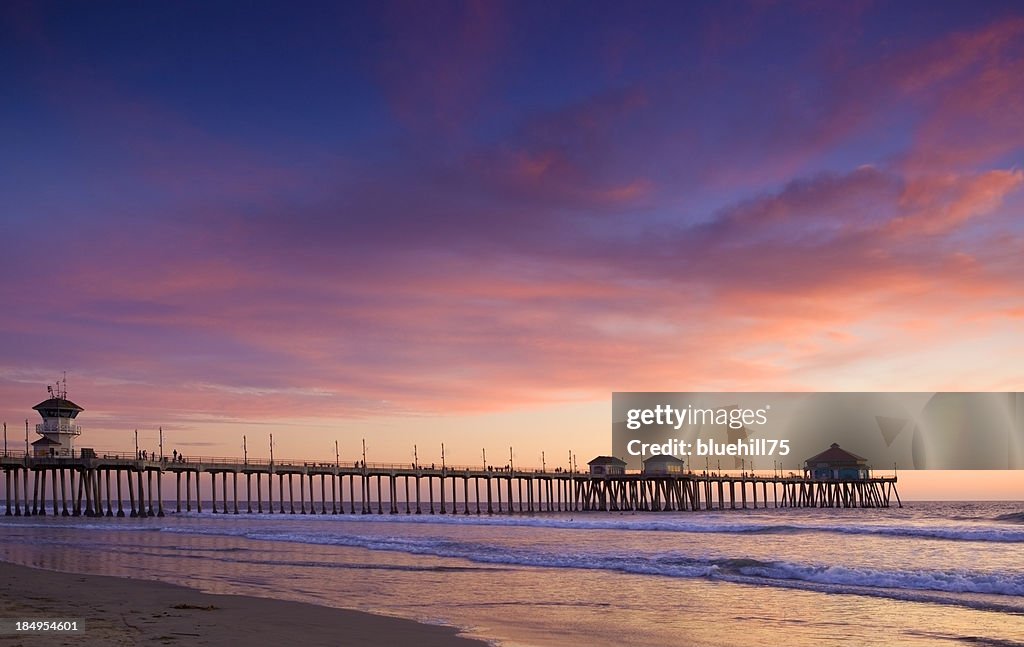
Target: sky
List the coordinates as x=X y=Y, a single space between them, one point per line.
x=470 y=222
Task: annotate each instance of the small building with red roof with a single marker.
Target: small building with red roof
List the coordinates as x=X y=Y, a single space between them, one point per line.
x=838 y=464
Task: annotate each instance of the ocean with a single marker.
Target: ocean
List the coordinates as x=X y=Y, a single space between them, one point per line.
x=927 y=574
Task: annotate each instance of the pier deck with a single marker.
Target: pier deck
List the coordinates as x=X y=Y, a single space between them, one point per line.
x=95 y=486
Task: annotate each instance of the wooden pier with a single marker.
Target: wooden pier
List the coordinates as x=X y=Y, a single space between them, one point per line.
x=96 y=486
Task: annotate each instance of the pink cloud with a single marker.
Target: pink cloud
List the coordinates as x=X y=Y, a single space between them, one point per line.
x=968 y=86
x=935 y=204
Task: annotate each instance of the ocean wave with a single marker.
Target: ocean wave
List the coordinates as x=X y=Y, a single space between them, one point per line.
x=960 y=532
x=743 y=570
x=955 y=581
x=957 y=533
x=697 y=523
x=1012 y=517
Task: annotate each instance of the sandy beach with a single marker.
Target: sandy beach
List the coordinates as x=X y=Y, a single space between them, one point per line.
x=120 y=611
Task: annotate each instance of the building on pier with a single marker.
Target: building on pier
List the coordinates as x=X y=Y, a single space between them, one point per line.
x=607 y=466
x=836 y=463
x=46 y=447
x=58 y=428
x=663 y=465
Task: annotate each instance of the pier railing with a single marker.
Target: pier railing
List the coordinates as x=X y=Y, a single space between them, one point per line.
x=172 y=460
x=99 y=477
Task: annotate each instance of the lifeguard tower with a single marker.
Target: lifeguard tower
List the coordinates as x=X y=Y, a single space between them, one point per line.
x=58 y=430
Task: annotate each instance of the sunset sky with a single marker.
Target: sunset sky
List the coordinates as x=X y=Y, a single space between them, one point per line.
x=469 y=223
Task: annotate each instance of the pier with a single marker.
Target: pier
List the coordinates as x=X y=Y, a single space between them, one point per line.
x=123 y=485
x=54 y=475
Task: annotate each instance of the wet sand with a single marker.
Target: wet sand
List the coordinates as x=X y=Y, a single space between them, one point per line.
x=120 y=611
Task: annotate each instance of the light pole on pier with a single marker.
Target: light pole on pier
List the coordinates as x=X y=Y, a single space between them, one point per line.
x=364 y=454
x=26 y=438
x=442 y=457
x=337 y=455
x=245 y=451
x=161 y=443
x=5 y=439
x=484 y=453
x=511 y=465
x=272 y=450
x=137 y=454
x=543 y=463
x=415 y=457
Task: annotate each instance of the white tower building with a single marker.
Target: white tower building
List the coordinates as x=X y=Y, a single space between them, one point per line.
x=58 y=430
